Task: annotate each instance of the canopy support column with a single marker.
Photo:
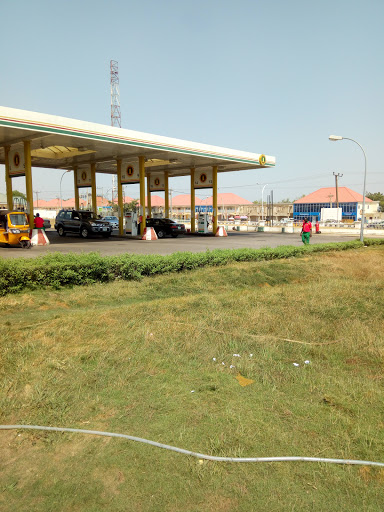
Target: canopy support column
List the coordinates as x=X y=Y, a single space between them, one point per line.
x=93 y=185
x=149 y=204
x=120 y=199
x=214 y=198
x=77 y=202
x=8 y=180
x=193 y=202
x=166 y=195
x=28 y=181
x=142 y=193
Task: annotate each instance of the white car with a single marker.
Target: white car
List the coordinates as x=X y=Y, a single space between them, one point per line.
x=114 y=221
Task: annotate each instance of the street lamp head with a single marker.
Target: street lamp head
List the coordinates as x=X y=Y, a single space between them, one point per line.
x=335 y=137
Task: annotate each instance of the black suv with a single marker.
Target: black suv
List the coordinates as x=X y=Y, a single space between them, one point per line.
x=166 y=227
x=84 y=223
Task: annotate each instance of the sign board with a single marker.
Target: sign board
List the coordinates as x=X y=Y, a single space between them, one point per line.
x=157 y=182
x=130 y=173
x=84 y=177
x=16 y=162
x=203 y=209
x=331 y=214
x=203 y=179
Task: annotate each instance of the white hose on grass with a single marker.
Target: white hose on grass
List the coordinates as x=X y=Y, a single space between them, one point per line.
x=194 y=454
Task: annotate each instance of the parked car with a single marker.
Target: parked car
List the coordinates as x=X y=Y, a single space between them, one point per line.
x=47 y=224
x=165 y=227
x=114 y=221
x=376 y=225
x=83 y=223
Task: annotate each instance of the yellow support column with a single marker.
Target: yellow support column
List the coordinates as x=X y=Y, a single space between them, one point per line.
x=193 y=202
x=120 y=198
x=28 y=181
x=93 y=185
x=142 y=193
x=149 y=196
x=8 y=180
x=166 y=194
x=214 y=198
x=77 y=202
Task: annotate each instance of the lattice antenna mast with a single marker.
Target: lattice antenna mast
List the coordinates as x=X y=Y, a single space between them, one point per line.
x=115 y=110
x=115 y=95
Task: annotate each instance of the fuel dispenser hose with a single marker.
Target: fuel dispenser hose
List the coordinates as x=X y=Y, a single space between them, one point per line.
x=194 y=454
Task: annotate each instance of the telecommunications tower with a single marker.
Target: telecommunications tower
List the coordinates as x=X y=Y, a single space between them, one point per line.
x=115 y=95
x=115 y=110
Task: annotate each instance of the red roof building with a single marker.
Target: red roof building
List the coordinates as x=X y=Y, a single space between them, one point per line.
x=323 y=195
x=56 y=204
x=350 y=202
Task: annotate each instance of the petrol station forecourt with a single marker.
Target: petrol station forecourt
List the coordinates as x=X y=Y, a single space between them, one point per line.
x=31 y=139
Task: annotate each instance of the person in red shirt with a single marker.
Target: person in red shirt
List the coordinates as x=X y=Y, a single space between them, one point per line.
x=39 y=222
x=306 y=231
x=317 y=226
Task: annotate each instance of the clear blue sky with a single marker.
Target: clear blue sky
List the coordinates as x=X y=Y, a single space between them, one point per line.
x=274 y=77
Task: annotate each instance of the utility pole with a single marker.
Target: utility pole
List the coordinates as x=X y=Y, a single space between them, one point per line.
x=337 y=193
x=37 y=192
x=337 y=187
x=272 y=205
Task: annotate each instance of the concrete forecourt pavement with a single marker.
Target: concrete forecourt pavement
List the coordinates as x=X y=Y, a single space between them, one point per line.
x=193 y=243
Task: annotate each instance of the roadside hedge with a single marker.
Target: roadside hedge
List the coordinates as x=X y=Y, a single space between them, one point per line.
x=59 y=270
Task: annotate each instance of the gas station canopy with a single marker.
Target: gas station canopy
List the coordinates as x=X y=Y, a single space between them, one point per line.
x=63 y=143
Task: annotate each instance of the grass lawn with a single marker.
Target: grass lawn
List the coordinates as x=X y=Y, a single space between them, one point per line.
x=138 y=358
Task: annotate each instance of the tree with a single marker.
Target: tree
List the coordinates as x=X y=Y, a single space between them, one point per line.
x=377 y=196
x=256 y=202
x=16 y=193
x=130 y=207
x=287 y=200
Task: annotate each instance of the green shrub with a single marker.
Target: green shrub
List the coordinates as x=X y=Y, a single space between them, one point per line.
x=59 y=270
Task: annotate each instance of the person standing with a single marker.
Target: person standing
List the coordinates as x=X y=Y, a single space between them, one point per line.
x=306 y=231
x=39 y=222
x=317 y=226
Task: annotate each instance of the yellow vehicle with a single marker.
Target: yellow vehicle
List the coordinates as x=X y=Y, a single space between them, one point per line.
x=14 y=229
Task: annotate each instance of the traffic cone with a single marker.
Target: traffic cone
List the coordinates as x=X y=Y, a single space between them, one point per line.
x=221 y=231
x=38 y=237
x=149 y=234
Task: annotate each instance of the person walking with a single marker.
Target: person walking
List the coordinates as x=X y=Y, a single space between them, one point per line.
x=306 y=231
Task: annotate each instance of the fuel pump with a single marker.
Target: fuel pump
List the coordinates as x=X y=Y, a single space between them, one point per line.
x=203 y=223
x=131 y=223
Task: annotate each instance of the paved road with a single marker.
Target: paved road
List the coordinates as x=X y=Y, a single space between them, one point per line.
x=194 y=243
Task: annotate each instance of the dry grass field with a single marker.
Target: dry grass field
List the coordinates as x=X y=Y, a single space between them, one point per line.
x=146 y=359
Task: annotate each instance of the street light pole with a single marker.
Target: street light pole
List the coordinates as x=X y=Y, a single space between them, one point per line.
x=61 y=199
x=262 y=202
x=338 y=137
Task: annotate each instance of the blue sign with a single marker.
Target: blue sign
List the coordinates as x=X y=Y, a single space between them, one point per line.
x=204 y=209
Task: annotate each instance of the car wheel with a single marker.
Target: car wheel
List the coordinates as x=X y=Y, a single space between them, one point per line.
x=61 y=231
x=84 y=233
x=161 y=234
x=174 y=235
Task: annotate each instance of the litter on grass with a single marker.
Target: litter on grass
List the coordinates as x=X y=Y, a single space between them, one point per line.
x=236 y=355
x=307 y=362
x=296 y=364
x=243 y=381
